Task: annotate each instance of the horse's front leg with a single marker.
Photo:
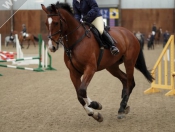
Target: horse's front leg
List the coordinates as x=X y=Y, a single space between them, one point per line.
x=34 y=43
x=28 y=44
x=127 y=89
x=81 y=87
x=21 y=42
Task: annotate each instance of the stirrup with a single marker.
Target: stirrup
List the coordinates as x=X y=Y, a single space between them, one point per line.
x=114 y=50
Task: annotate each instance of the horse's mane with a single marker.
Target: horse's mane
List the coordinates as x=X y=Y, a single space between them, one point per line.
x=59 y=5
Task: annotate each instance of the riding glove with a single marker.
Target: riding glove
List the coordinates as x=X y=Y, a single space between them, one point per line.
x=85 y=18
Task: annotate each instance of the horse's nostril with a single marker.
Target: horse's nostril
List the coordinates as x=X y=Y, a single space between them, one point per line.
x=54 y=49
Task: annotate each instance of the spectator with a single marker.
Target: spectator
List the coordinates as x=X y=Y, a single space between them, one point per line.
x=150 y=41
x=154 y=29
x=166 y=36
x=138 y=35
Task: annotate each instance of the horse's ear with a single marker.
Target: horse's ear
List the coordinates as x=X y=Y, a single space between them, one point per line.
x=54 y=8
x=44 y=9
x=57 y=4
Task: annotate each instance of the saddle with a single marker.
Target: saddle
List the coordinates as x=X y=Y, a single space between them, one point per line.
x=101 y=41
x=11 y=38
x=25 y=35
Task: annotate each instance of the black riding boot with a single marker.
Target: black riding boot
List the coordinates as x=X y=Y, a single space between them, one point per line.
x=113 y=48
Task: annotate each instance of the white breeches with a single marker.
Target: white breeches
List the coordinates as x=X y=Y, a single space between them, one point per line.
x=98 y=23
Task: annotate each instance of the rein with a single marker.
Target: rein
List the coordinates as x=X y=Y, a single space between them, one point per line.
x=68 y=50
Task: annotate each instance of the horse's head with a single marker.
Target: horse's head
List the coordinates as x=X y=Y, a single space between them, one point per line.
x=54 y=23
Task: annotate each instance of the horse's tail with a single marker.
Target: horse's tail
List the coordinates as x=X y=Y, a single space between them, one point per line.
x=35 y=38
x=141 y=66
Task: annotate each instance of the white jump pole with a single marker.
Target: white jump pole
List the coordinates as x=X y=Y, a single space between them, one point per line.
x=18 y=48
x=43 y=60
x=44 y=56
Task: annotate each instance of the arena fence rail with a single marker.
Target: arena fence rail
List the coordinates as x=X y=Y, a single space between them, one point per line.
x=163 y=71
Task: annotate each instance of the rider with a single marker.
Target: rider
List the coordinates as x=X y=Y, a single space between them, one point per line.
x=24 y=30
x=11 y=36
x=89 y=11
x=154 y=29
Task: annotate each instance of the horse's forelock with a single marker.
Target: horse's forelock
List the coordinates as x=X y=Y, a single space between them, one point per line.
x=64 y=6
x=49 y=8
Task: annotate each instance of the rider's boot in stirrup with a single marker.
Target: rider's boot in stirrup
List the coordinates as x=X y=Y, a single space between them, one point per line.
x=114 y=50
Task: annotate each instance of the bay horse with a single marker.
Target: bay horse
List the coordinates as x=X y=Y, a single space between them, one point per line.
x=29 y=37
x=82 y=53
x=158 y=35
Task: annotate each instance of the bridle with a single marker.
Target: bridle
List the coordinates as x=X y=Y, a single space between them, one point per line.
x=68 y=49
x=58 y=32
x=60 y=41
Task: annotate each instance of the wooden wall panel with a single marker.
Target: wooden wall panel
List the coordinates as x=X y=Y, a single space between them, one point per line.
x=143 y=19
x=132 y=19
x=6 y=28
x=31 y=18
x=34 y=20
x=43 y=28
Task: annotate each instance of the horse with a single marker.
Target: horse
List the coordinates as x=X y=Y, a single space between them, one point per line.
x=158 y=35
x=83 y=58
x=7 y=41
x=29 y=37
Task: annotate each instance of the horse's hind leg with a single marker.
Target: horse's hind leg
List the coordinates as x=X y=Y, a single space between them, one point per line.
x=81 y=87
x=116 y=72
x=130 y=84
x=21 y=42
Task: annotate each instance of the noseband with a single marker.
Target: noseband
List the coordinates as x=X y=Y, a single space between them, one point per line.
x=59 y=32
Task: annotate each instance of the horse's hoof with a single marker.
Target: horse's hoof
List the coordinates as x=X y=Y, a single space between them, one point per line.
x=127 y=109
x=98 y=117
x=95 y=105
x=100 y=106
x=121 y=116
